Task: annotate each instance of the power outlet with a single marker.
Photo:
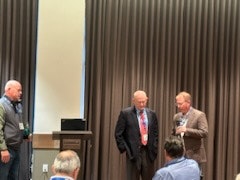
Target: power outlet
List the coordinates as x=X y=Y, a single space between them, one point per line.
x=45 y=168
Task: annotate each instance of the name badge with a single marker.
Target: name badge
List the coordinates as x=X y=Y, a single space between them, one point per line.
x=145 y=137
x=21 y=126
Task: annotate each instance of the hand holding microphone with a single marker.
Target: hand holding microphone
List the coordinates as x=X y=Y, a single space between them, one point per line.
x=181 y=126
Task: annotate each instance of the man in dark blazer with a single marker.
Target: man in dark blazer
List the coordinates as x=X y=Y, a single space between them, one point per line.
x=140 y=148
x=191 y=124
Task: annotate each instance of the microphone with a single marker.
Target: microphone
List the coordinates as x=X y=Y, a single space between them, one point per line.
x=181 y=122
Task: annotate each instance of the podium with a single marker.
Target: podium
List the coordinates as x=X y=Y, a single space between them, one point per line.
x=76 y=141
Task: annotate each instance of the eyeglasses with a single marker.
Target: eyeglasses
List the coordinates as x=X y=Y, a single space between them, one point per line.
x=179 y=104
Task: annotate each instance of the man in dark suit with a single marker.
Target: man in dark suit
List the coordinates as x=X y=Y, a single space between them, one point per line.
x=191 y=124
x=136 y=133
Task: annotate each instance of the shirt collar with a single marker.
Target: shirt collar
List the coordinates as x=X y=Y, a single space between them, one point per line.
x=174 y=161
x=61 y=178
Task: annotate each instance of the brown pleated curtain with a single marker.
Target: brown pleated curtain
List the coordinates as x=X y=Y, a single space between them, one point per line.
x=18 y=30
x=163 y=47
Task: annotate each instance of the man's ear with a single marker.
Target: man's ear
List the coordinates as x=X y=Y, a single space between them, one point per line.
x=165 y=153
x=53 y=170
x=75 y=173
x=167 y=157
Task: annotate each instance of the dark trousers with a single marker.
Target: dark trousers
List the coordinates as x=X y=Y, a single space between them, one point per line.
x=143 y=167
x=9 y=171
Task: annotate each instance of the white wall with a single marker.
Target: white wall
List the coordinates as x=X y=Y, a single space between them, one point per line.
x=59 y=63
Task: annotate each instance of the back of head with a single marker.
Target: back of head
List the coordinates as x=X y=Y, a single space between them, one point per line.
x=238 y=177
x=174 y=147
x=66 y=162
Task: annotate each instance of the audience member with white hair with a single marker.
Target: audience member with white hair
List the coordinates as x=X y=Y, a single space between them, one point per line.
x=238 y=177
x=66 y=166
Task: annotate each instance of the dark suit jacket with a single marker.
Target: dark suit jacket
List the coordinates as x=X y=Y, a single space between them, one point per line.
x=197 y=129
x=128 y=137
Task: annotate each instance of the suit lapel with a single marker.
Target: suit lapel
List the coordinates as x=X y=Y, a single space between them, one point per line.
x=134 y=119
x=190 y=118
x=149 y=118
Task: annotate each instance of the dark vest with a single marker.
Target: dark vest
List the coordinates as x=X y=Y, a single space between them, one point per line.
x=12 y=117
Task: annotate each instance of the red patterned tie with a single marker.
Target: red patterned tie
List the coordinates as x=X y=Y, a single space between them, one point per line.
x=143 y=129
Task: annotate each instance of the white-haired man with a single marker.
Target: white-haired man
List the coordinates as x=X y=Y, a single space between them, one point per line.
x=66 y=166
